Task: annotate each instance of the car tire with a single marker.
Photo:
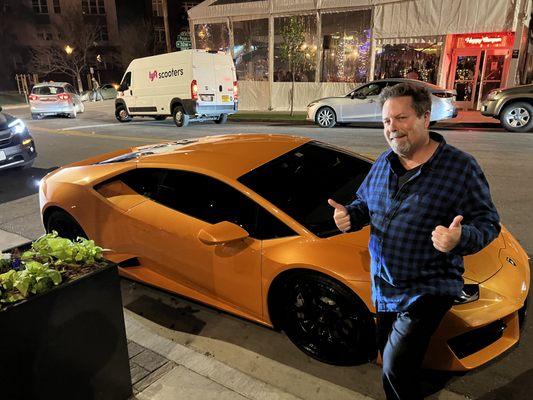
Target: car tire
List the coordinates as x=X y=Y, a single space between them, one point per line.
x=326 y=320
x=222 y=119
x=325 y=117
x=36 y=116
x=181 y=119
x=121 y=113
x=64 y=225
x=517 y=117
x=160 y=117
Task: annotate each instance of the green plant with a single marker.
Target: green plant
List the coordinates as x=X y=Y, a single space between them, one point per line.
x=50 y=260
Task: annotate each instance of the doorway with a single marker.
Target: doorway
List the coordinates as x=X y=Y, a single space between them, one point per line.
x=475 y=72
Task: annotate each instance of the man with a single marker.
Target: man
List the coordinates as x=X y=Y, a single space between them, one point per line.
x=428 y=204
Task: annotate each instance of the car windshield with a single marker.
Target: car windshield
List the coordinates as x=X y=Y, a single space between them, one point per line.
x=47 y=90
x=301 y=182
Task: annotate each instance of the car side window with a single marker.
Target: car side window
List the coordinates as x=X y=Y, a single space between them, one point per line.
x=126 y=80
x=144 y=181
x=372 y=89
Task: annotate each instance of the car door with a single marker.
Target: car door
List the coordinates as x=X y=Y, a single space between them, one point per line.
x=127 y=94
x=167 y=234
x=363 y=105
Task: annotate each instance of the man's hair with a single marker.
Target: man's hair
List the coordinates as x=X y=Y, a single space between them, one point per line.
x=421 y=99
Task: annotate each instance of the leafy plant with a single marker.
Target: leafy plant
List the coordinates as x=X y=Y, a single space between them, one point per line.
x=50 y=259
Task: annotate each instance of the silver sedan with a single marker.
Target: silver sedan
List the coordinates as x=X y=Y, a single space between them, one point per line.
x=361 y=104
x=55 y=98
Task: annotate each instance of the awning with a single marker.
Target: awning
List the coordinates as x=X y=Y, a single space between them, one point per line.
x=439 y=39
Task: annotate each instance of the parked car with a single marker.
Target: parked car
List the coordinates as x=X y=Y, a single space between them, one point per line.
x=241 y=222
x=55 y=98
x=512 y=106
x=17 y=148
x=361 y=104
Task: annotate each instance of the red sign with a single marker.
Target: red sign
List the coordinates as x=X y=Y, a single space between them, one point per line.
x=493 y=40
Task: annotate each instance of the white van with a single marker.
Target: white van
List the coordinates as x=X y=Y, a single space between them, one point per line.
x=190 y=85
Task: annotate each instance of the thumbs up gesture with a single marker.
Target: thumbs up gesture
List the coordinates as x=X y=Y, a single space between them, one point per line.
x=341 y=216
x=445 y=239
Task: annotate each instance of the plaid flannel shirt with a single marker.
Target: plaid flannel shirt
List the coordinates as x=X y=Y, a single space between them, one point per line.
x=405 y=265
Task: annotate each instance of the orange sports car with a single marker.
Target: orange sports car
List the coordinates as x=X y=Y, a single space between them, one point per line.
x=242 y=223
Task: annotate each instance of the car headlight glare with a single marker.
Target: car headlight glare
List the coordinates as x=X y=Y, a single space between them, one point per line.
x=17 y=126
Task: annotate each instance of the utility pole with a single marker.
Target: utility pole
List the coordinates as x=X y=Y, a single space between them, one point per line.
x=167 y=30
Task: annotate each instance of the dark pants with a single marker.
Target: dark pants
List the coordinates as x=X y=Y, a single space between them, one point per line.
x=402 y=339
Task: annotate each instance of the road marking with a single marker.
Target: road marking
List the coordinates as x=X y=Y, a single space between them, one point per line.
x=103 y=136
x=115 y=124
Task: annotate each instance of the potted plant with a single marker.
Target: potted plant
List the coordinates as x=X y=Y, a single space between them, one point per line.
x=61 y=323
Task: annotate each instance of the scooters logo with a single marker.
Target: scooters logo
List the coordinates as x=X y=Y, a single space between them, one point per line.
x=152 y=75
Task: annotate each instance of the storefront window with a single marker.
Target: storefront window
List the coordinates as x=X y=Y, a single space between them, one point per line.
x=212 y=36
x=306 y=71
x=251 y=49
x=413 y=61
x=346 y=45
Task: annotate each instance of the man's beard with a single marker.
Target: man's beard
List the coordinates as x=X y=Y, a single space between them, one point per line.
x=402 y=149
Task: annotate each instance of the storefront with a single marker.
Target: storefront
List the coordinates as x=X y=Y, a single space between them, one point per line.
x=479 y=63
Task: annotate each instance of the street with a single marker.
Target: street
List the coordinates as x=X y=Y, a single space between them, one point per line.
x=269 y=356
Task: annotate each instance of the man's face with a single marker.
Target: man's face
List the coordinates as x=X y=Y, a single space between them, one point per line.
x=404 y=131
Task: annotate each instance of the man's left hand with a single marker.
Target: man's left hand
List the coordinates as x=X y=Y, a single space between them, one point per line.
x=445 y=239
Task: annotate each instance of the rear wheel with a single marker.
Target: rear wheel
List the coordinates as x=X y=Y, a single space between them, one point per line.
x=35 y=116
x=222 y=119
x=326 y=320
x=122 y=114
x=325 y=117
x=181 y=119
x=517 y=117
x=64 y=225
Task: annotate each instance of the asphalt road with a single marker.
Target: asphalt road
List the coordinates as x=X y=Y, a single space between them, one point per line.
x=506 y=159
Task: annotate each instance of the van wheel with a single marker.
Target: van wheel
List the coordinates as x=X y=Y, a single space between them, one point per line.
x=160 y=117
x=181 y=119
x=122 y=114
x=222 y=119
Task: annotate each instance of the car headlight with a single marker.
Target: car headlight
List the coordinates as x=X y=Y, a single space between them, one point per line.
x=493 y=93
x=311 y=104
x=17 y=126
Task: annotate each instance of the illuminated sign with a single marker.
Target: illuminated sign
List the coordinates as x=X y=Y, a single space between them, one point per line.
x=484 y=39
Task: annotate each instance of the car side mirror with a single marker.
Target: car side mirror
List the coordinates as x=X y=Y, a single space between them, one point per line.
x=123 y=87
x=220 y=233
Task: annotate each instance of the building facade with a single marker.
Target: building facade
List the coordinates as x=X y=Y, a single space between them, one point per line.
x=473 y=46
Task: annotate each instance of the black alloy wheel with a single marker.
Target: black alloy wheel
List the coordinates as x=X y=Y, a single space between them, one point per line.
x=181 y=118
x=327 y=321
x=122 y=114
x=64 y=225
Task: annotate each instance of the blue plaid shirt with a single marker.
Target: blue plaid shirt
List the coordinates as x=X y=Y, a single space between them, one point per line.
x=405 y=265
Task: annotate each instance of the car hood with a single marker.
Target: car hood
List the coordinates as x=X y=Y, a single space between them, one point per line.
x=478 y=267
x=5 y=120
x=523 y=89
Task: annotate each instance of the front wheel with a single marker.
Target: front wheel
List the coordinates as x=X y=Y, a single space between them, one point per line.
x=326 y=118
x=64 y=225
x=181 y=119
x=326 y=320
x=517 y=117
x=122 y=114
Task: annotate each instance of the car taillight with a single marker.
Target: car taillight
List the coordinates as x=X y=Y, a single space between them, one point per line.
x=63 y=96
x=443 y=95
x=33 y=97
x=235 y=91
x=194 y=89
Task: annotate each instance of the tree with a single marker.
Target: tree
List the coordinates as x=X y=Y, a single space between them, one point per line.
x=137 y=40
x=293 y=34
x=71 y=54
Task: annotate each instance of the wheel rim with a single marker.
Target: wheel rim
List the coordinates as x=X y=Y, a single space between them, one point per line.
x=179 y=117
x=123 y=114
x=518 y=117
x=325 y=117
x=323 y=323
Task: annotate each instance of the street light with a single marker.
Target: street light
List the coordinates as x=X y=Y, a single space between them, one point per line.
x=68 y=49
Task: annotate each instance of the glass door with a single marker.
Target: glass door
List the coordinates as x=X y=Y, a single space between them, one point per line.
x=465 y=76
x=492 y=75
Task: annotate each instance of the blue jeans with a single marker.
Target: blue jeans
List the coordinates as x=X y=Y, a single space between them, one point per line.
x=402 y=339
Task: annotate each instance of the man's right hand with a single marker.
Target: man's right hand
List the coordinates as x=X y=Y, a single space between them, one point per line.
x=341 y=216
